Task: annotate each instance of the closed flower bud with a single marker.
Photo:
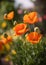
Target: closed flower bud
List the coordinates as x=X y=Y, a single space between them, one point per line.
x=4 y=24
x=36 y=29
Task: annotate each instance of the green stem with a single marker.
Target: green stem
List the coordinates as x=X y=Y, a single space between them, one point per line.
x=31 y=27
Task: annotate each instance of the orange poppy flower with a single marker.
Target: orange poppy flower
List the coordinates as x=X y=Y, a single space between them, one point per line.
x=30 y=18
x=20 y=29
x=34 y=37
x=6 y=40
x=9 y=16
